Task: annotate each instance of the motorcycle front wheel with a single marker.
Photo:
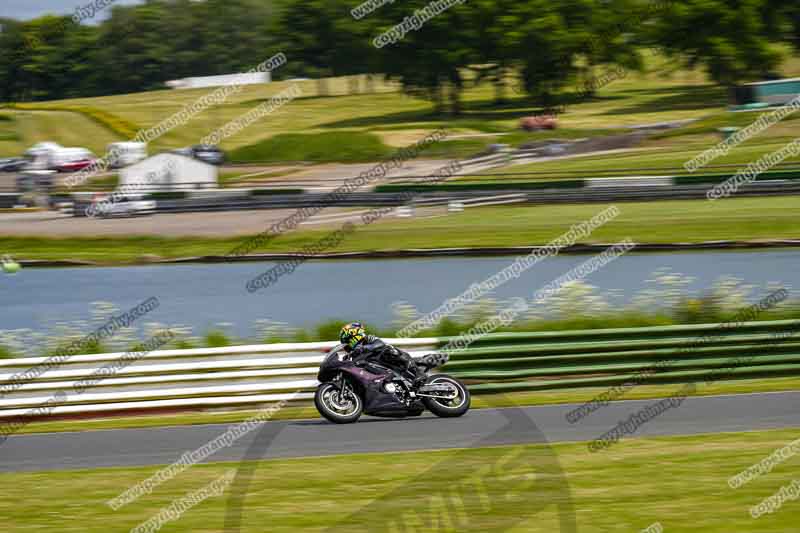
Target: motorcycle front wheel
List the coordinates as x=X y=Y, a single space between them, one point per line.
x=338 y=406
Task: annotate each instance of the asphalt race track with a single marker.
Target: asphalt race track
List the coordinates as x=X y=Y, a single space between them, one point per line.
x=303 y=438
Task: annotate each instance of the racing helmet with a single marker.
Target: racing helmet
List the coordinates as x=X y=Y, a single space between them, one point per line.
x=351 y=334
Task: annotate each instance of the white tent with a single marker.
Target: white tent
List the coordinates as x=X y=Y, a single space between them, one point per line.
x=168 y=172
x=245 y=78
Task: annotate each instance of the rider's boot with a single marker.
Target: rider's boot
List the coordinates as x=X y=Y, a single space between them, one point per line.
x=417 y=373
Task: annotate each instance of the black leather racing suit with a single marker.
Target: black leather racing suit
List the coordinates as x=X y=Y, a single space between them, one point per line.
x=371 y=347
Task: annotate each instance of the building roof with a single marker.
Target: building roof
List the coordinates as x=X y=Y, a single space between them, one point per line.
x=770 y=82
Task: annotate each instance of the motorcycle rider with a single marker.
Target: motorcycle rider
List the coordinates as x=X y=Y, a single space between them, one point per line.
x=363 y=347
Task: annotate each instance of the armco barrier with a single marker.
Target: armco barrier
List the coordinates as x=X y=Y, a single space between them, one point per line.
x=172 y=379
x=246 y=376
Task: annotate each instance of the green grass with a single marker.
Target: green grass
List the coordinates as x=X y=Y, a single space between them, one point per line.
x=482 y=401
x=680 y=482
x=725 y=119
x=670 y=150
x=343 y=147
x=648 y=222
x=115 y=124
x=8 y=131
x=665 y=160
x=644 y=222
x=65 y=127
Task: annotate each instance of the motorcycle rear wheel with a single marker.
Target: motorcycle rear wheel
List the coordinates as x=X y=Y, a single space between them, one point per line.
x=335 y=408
x=448 y=408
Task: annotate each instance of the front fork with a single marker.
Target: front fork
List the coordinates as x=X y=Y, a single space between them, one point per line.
x=342 y=386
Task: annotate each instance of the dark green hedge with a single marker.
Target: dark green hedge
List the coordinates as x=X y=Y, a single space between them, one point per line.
x=273 y=192
x=167 y=195
x=489 y=185
x=722 y=176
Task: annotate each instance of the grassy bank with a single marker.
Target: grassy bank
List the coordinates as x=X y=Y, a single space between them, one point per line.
x=671 y=149
x=68 y=128
x=318 y=147
x=680 y=482
x=379 y=108
x=658 y=158
x=644 y=222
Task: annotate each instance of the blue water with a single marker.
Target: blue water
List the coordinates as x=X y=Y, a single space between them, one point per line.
x=202 y=295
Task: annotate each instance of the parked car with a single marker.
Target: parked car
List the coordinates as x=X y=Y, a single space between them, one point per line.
x=208 y=153
x=40 y=155
x=126 y=206
x=74 y=166
x=52 y=156
x=71 y=159
x=123 y=154
x=187 y=151
x=539 y=122
x=13 y=164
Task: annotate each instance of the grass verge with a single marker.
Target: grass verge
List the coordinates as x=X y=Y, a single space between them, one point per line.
x=757 y=218
x=680 y=482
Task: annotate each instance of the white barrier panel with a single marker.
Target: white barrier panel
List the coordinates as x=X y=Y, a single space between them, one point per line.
x=286 y=347
x=234 y=376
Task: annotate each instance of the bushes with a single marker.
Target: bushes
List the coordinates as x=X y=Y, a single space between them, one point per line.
x=217 y=339
x=273 y=192
x=341 y=147
x=720 y=177
x=167 y=195
x=489 y=185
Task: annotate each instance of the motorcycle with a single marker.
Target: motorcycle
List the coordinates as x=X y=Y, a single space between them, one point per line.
x=347 y=390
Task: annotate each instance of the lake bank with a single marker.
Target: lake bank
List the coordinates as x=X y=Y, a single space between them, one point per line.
x=508 y=251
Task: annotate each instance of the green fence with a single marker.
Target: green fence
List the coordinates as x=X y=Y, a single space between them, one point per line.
x=552 y=360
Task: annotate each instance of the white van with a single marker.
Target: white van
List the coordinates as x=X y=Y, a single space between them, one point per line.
x=123 y=154
x=40 y=155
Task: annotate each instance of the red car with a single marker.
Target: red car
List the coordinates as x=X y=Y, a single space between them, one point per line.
x=76 y=165
x=539 y=122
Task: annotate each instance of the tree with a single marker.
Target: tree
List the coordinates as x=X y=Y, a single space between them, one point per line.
x=552 y=38
x=309 y=36
x=783 y=20
x=729 y=38
x=13 y=55
x=548 y=43
x=497 y=26
x=428 y=61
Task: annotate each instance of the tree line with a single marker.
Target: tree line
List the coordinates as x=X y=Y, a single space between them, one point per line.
x=539 y=45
